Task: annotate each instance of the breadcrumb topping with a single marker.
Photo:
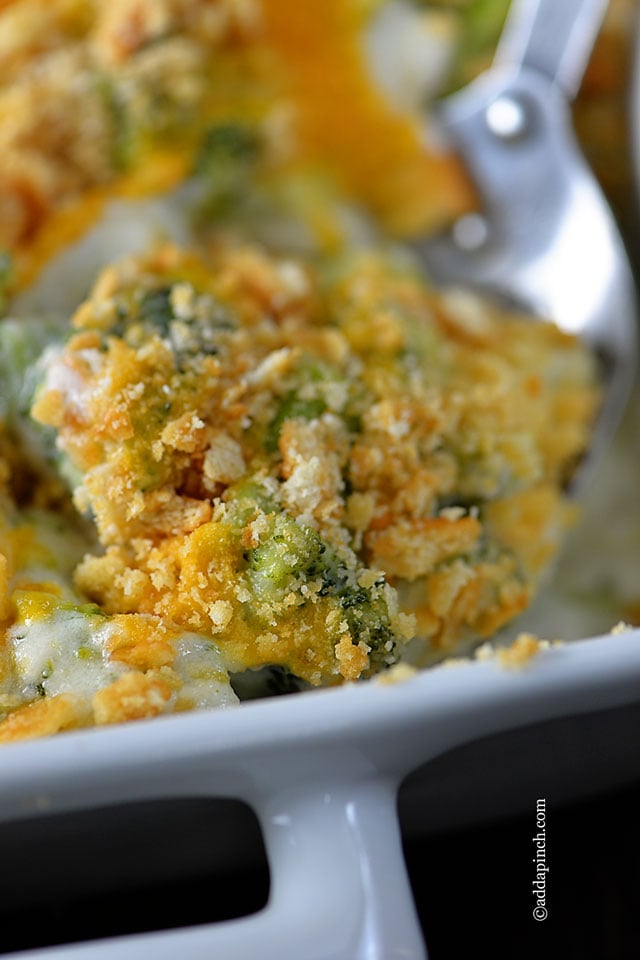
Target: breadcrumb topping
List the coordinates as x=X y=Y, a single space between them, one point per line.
x=306 y=470
x=265 y=474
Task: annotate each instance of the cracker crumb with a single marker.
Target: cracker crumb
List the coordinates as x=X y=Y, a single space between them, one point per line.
x=398 y=673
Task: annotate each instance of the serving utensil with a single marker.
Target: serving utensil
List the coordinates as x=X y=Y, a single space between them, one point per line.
x=544 y=239
x=322 y=770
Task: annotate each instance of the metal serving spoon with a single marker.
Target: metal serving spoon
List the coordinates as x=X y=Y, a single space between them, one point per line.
x=545 y=238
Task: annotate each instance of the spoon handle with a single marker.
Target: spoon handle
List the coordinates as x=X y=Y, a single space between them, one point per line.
x=554 y=37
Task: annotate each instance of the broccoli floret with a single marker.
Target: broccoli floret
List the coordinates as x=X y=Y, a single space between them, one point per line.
x=367 y=614
x=291 y=555
x=122 y=138
x=156 y=311
x=318 y=387
x=6 y=276
x=190 y=333
x=22 y=345
x=292 y=407
x=226 y=143
x=25 y=346
x=225 y=165
x=245 y=500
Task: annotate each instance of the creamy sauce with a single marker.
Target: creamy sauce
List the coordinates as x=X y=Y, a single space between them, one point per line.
x=62 y=651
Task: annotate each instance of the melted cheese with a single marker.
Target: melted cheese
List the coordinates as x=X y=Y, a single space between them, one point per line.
x=348 y=125
x=57 y=650
x=299 y=70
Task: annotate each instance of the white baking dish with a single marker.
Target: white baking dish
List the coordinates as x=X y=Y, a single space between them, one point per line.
x=321 y=770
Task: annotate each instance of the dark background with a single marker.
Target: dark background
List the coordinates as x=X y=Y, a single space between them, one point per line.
x=473 y=886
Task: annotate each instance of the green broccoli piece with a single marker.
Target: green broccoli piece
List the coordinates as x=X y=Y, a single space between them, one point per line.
x=292 y=407
x=290 y=555
x=6 y=277
x=224 y=165
x=147 y=313
x=24 y=345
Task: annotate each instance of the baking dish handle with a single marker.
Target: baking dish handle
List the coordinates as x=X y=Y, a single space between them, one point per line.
x=339 y=884
x=339 y=888
x=325 y=793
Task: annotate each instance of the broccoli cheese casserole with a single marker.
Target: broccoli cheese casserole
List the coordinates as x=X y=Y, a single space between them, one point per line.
x=282 y=467
x=269 y=459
